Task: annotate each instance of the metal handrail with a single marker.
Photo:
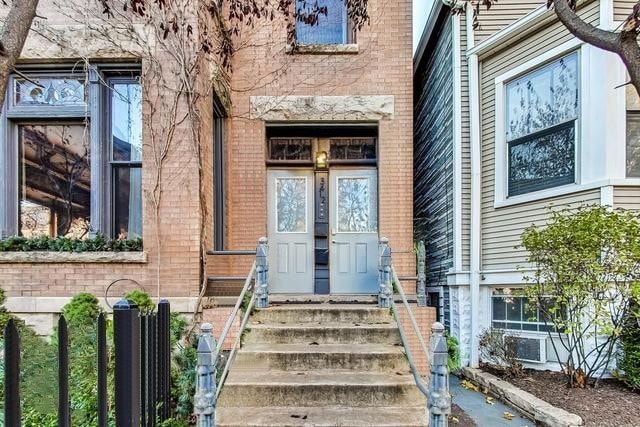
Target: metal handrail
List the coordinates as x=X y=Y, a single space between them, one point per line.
x=234 y=312
x=234 y=349
x=419 y=381
x=227 y=328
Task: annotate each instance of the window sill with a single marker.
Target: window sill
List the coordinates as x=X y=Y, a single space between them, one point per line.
x=44 y=257
x=542 y=195
x=323 y=49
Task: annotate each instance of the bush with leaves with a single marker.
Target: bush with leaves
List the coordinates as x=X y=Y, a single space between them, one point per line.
x=500 y=352
x=587 y=271
x=100 y=243
x=453 y=353
x=629 y=362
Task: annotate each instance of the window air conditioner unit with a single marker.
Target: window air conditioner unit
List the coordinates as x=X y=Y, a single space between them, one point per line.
x=531 y=349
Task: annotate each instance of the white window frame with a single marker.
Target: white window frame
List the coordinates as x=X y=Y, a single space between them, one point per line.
x=501 y=146
x=99 y=119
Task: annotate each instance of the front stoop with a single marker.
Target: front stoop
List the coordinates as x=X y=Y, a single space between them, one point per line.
x=321 y=365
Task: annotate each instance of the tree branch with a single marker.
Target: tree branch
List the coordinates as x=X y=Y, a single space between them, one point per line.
x=14 y=34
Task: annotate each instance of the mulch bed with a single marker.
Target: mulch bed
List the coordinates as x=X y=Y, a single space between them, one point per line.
x=610 y=404
x=460 y=418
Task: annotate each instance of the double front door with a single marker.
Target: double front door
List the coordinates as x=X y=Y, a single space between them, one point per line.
x=299 y=203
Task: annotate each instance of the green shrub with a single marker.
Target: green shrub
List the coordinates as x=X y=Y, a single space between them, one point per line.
x=82 y=310
x=142 y=299
x=630 y=349
x=453 y=353
x=99 y=243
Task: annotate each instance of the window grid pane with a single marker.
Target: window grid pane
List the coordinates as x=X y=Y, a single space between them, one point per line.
x=546 y=160
x=633 y=144
x=543 y=98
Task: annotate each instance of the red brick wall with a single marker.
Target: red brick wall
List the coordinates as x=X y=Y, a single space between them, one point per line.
x=383 y=66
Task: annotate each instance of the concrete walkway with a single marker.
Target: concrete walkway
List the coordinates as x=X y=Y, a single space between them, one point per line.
x=474 y=404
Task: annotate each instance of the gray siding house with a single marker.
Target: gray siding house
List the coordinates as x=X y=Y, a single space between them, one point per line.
x=482 y=168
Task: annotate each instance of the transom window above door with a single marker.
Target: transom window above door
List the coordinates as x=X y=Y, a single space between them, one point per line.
x=303 y=151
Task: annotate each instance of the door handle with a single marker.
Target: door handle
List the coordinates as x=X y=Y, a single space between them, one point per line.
x=335 y=241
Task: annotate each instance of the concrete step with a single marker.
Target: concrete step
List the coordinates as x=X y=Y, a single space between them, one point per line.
x=255 y=387
x=324 y=333
x=298 y=357
x=325 y=313
x=323 y=416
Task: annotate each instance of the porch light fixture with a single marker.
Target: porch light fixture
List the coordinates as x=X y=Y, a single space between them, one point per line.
x=321 y=160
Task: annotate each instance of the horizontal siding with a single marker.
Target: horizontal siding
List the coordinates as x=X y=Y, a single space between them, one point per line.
x=501 y=14
x=466 y=151
x=626 y=198
x=622 y=9
x=502 y=227
x=433 y=157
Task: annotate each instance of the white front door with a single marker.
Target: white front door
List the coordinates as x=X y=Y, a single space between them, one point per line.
x=290 y=228
x=354 y=231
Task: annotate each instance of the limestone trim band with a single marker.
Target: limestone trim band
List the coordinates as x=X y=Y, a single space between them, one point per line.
x=44 y=257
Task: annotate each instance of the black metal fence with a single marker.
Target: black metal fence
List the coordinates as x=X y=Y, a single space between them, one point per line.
x=142 y=373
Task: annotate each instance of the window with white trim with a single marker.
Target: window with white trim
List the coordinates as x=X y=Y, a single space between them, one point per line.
x=511 y=310
x=542 y=111
x=633 y=133
x=71 y=160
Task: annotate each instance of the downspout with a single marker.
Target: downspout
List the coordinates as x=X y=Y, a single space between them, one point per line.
x=476 y=191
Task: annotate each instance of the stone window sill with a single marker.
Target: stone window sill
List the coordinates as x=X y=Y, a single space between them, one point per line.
x=323 y=49
x=38 y=257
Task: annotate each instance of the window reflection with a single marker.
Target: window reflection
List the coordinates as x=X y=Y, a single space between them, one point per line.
x=330 y=28
x=126 y=121
x=55 y=180
x=126 y=155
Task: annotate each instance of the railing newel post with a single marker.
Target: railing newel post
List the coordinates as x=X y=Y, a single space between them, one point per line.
x=439 y=402
x=12 y=409
x=421 y=283
x=384 y=273
x=261 y=287
x=204 y=403
x=64 y=410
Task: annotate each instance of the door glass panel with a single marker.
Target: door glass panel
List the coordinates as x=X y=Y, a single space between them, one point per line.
x=291 y=201
x=356 y=205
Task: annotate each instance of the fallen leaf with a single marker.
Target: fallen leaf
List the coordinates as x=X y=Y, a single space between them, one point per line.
x=507 y=416
x=489 y=400
x=469 y=385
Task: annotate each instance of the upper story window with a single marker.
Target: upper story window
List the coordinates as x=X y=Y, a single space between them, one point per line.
x=542 y=111
x=633 y=133
x=331 y=27
x=53 y=178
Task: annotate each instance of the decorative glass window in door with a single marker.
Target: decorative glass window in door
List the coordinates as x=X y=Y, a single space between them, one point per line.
x=291 y=205
x=356 y=199
x=541 y=114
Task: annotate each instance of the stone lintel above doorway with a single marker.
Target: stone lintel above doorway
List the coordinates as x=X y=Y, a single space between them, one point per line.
x=323 y=108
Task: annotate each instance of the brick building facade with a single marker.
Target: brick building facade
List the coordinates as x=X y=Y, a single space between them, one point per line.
x=339 y=93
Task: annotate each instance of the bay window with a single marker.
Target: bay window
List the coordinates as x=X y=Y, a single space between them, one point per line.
x=71 y=156
x=542 y=110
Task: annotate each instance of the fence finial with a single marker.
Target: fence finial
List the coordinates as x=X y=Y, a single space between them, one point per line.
x=204 y=402
x=439 y=403
x=261 y=287
x=384 y=273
